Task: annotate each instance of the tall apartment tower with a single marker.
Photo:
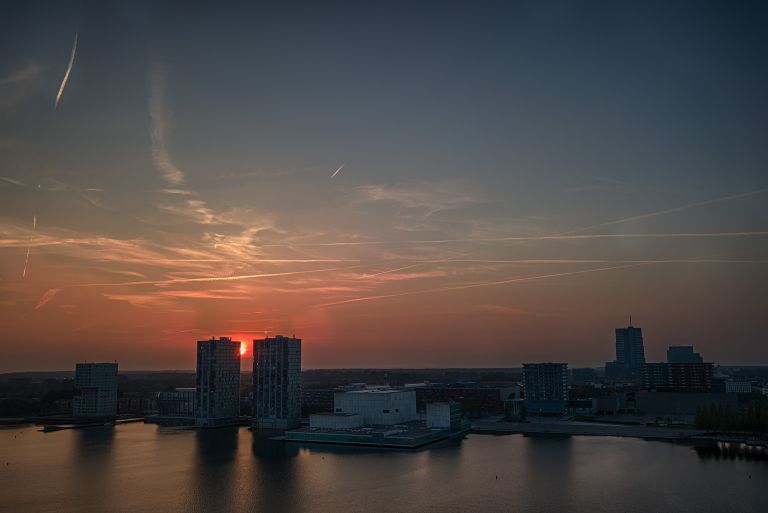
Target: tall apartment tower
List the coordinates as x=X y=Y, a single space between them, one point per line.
x=277 y=383
x=630 y=356
x=95 y=390
x=546 y=388
x=629 y=347
x=217 y=394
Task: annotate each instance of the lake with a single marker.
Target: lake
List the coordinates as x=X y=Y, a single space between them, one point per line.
x=144 y=468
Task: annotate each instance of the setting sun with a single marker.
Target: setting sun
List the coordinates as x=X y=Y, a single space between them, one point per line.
x=243 y=348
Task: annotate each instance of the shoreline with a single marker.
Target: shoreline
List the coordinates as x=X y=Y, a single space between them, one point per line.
x=616 y=430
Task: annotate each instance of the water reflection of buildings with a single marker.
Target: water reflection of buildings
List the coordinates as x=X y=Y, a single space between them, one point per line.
x=213 y=486
x=732 y=451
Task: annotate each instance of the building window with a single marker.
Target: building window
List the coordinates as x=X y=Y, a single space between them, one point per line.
x=338 y=410
x=384 y=411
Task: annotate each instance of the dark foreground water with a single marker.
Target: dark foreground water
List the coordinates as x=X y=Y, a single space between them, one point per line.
x=142 y=468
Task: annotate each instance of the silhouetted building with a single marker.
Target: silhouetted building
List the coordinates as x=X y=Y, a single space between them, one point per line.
x=677 y=377
x=546 y=388
x=95 y=390
x=630 y=355
x=217 y=401
x=475 y=400
x=277 y=383
x=683 y=354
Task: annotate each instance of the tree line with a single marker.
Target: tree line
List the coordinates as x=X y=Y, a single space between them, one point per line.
x=753 y=417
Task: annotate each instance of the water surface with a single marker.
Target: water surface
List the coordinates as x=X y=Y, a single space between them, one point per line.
x=142 y=468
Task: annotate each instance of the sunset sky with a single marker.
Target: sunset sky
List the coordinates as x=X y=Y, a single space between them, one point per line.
x=441 y=185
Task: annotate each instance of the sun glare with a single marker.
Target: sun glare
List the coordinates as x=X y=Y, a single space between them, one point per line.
x=243 y=348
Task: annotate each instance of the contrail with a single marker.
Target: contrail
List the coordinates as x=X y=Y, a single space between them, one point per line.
x=173 y=281
x=476 y=285
x=66 y=74
x=26 y=260
x=532 y=238
x=667 y=211
x=337 y=171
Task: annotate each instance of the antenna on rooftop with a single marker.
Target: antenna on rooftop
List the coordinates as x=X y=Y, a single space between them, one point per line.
x=630 y=319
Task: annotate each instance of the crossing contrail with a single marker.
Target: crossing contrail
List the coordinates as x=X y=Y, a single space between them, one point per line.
x=66 y=74
x=667 y=211
x=703 y=235
x=476 y=285
x=337 y=171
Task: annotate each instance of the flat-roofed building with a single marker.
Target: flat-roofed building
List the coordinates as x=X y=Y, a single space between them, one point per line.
x=277 y=383
x=217 y=394
x=95 y=390
x=546 y=388
x=378 y=407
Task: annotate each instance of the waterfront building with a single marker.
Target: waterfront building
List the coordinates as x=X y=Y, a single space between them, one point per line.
x=546 y=388
x=677 y=377
x=444 y=416
x=217 y=394
x=277 y=383
x=95 y=390
x=380 y=407
x=382 y=418
x=179 y=403
x=683 y=354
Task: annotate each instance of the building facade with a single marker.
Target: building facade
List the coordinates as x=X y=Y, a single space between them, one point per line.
x=217 y=391
x=546 y=388
x=630 y=356
x=177 y=403
x=683 y=354
x=277 y=383
x=738 y=387
x=677 y=377
x=95 y=390
x=378 y=407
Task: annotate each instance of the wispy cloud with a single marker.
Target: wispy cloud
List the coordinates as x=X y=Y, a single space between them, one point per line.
x=17 y=85
x=47 y=298
x=158 y=127
x=431 y=197
x=67 y=72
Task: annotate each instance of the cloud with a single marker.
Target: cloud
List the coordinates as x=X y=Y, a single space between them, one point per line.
x=12 y=181
x=432 y=197
x=16 y=87
x=158 y=127
x=47 y=298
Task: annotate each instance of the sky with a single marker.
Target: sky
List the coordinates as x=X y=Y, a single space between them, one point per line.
x=405 y=184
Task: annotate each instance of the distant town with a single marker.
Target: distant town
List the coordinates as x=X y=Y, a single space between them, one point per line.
x=685 y=396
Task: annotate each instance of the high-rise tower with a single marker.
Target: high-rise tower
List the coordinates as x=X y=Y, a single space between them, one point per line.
x=277 y=383
x=217 y=398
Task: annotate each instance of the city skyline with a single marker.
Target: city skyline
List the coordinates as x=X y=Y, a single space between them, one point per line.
x=404 y=187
